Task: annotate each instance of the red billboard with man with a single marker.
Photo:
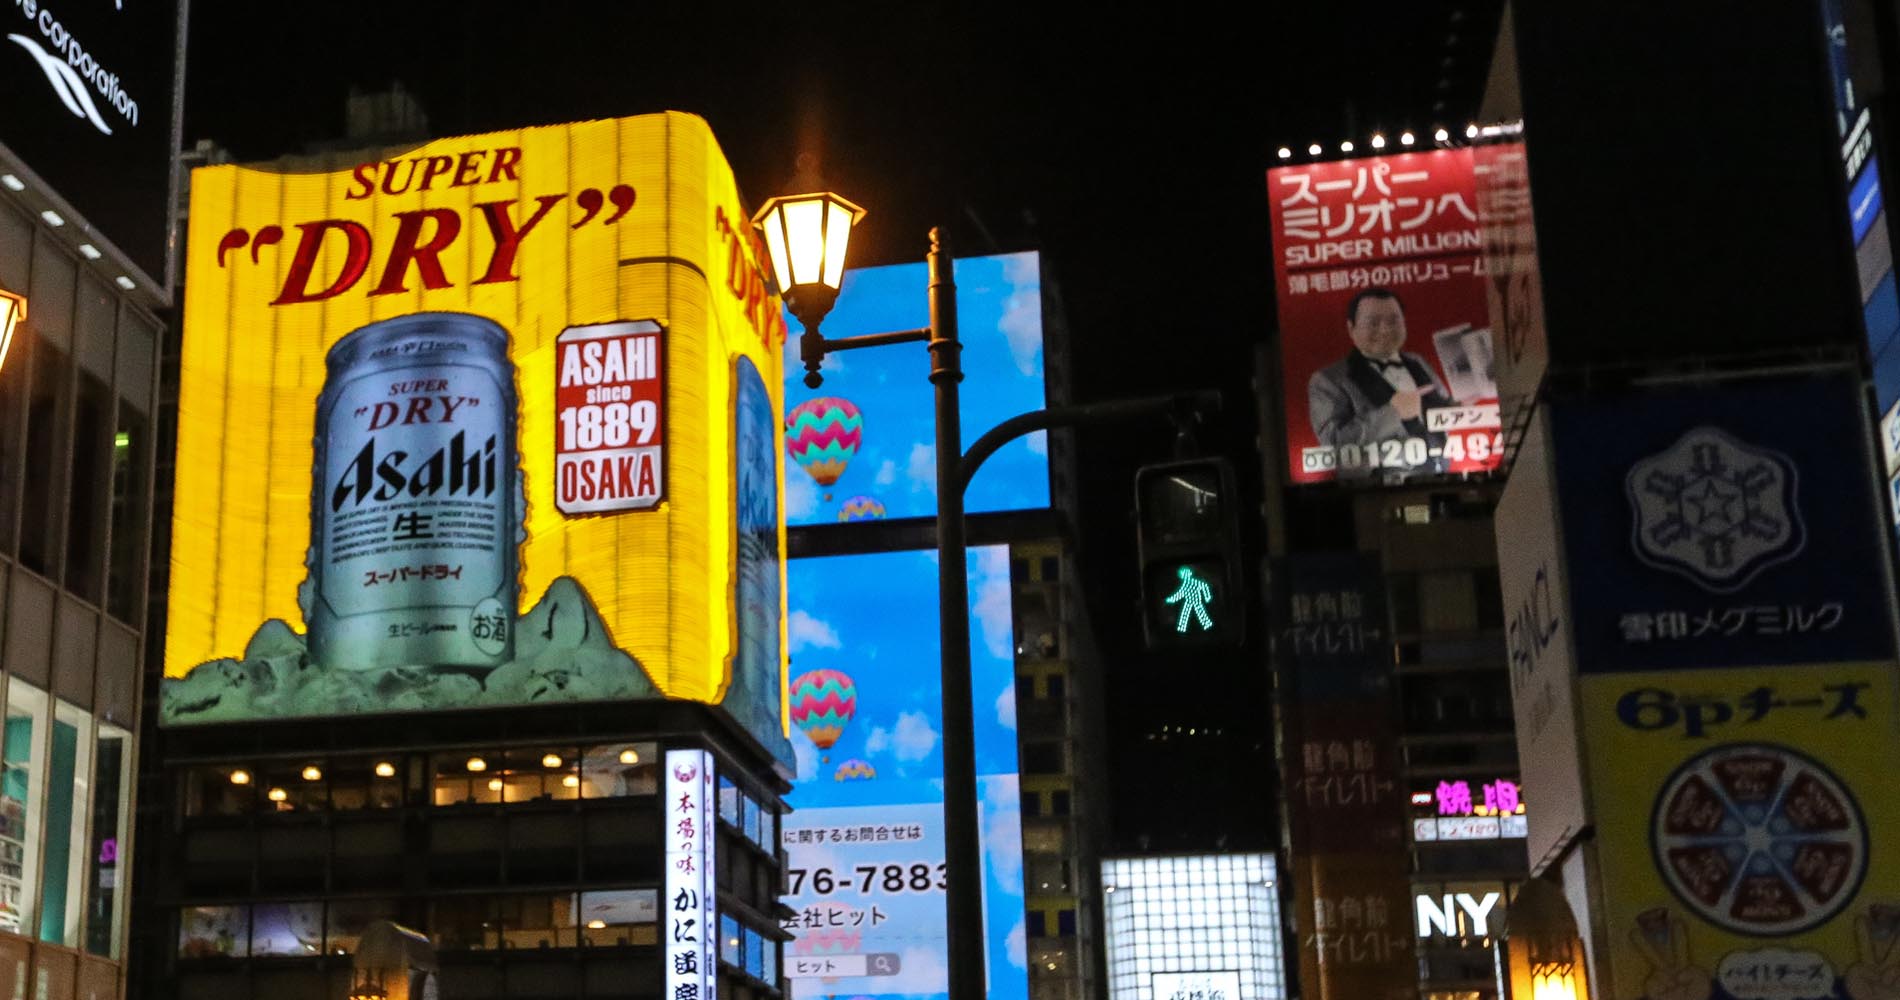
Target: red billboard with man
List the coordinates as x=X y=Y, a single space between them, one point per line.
x=1385 y=337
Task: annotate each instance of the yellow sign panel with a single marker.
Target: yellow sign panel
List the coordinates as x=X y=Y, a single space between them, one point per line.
x=495 y=419
x=1746 y=833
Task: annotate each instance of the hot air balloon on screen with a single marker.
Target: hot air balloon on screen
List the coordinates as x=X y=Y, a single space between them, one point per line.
x=821 y=435
x=854 y=770
x=823 y=701
x=861 y=509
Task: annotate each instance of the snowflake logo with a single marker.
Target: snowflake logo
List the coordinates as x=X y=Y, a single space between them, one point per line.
x=1714 y=509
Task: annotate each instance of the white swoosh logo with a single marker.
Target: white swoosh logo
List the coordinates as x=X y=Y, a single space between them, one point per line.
x=66 y=82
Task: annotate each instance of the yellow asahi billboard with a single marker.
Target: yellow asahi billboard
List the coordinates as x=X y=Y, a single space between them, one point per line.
x=493 y=420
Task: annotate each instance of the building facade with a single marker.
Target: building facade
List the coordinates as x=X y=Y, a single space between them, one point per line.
x=77 y=418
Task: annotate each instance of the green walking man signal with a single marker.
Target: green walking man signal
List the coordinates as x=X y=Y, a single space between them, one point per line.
x=1193 y=596
x=1188 y=545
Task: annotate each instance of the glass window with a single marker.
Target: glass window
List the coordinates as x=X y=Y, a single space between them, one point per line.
x=287 y=929
x=1058 y=803
x=347 y=919
x=365 y=783
x=1035 y=924
x=220 y=791
x=1448 y=602
x=93 y=427
x=20 y=797
x=731 y=802
x=754 y=953
x=465 y=777
x=1032 y=804
x=540 y=921
x=214 y=932
x=1042 y=758
x=761 y=825
x=620 y=769
x=131 y=457
x=1065 y=922
x=111 y=787
x=68 y=776
x=729 y=943
x=539 y=774
x=460 y=923
x=1402 y=590
x=620 y=917
x=45 y=455
x=295 y=786
x=1058 y=687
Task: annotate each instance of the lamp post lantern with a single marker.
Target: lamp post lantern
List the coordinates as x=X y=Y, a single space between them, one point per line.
x=806 y=236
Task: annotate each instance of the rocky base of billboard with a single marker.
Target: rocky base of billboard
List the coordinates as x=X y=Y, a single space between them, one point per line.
x=562 y=654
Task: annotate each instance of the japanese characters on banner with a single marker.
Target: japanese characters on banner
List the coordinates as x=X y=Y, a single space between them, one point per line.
x=1741 y=816
x=1457 y=809
x=1385 y=335
x=1345 y=809
x=691 y=917
x=1729 y=524
x=1513 y=287
x=1728 y=612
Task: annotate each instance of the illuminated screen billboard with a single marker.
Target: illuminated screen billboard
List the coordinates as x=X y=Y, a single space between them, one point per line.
x=490 y=421
x=863 y=445
x=1385 y=336
x=91 y=110
x=864 y=843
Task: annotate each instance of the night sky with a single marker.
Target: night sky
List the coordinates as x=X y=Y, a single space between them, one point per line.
x=1129 y=149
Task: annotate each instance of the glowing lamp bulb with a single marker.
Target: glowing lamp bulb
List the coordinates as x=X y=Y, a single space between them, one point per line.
x=551 y=760
x=385 y=769
x=1285 y=153
x=1313 y=150
x=477 y=764
x=1441 y=135
x=571 y=781
x=277 y=795
x=1406 y=138
x=313 y=773
x=240 y=777
x=1378 y=141
x=494 y=784
x=630 y=756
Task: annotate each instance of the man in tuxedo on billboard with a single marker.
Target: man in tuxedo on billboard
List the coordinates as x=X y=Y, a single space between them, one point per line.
x=1378 y=391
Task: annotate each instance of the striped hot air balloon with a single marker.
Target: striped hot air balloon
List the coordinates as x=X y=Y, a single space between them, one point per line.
x=823 y=701
x=861 y=509
x=854 y=770
x=821 y=435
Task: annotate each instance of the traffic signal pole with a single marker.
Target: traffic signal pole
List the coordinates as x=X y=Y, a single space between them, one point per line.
x=963 y=859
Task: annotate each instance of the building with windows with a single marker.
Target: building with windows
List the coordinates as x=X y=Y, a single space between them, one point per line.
x=1458 y=764
x=77 y=414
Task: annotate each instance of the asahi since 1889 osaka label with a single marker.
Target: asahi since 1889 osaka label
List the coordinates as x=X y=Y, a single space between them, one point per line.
x=414 y=511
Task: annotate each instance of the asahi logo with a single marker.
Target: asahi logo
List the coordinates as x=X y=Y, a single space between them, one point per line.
x=453 y=468
x=78 y=70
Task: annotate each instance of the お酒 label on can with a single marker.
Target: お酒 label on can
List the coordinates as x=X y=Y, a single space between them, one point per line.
x=609 y=408
x=415 y=509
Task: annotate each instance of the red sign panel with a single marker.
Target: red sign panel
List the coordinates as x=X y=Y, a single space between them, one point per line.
x=609 y=408
x=1385 y=337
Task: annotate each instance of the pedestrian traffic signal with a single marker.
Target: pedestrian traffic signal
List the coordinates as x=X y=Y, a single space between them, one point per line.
x=1189 y=542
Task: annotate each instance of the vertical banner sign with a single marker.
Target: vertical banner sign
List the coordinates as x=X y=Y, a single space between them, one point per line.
x=1385 y=337
x=691 y=918
x=1513 y=287
x=1345 y=813
x=1538 y=637
x=1731 y=614
x=609 y=401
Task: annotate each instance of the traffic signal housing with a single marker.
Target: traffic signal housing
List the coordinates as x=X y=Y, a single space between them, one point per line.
x=1188 y=539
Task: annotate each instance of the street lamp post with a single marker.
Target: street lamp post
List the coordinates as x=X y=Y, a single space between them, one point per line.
x=806 y=236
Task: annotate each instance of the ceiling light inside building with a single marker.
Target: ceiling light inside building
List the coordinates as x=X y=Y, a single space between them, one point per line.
x=630 y=756
x=1378 y=141
x=52 y=218
x=89 y=251
x=477 y=764
x=313 y=773
x=240 y=777
x=1346 y=147
x=551 y=760
x=124 y=282
x=277 y=795
x=1285 y=153
x=385 y=769
x=1406 y=138
x=1441 y=135
x=1313 y=149
x=13 y=183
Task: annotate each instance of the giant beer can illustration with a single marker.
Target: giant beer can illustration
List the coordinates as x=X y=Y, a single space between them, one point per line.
x=414 y=509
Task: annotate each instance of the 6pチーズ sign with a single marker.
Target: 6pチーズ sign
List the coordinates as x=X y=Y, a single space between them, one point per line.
x=609 y=406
